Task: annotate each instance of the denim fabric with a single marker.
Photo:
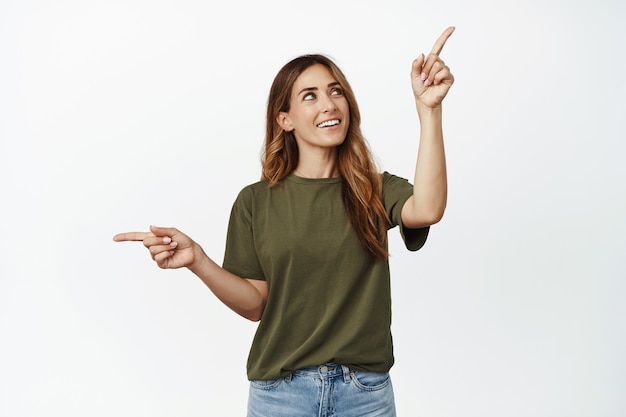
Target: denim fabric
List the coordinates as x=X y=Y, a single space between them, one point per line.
x=330 y=390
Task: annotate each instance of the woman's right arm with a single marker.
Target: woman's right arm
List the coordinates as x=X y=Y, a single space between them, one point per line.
x=172 y=249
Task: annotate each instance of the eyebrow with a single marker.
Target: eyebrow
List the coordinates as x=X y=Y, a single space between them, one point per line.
x=315 y=88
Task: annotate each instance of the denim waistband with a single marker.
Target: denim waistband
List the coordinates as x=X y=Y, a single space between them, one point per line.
x=329 y=370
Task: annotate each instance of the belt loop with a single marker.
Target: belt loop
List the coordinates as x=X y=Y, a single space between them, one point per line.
x=346 y=374
x=288 y=377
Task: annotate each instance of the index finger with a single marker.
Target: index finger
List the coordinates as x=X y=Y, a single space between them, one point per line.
x=131 y=236
x=442 y=41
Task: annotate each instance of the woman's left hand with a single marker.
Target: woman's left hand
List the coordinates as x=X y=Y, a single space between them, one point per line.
x=430 y=77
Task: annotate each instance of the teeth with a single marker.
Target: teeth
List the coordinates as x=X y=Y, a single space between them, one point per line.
x=329 y=123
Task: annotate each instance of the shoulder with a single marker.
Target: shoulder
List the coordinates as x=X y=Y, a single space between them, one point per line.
x=393 y=181
x=248 y=194
x=254 y=189
x=258 y=194
x=396 y=191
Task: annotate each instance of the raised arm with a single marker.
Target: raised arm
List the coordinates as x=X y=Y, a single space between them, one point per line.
x=172 y=249
x=431 y=79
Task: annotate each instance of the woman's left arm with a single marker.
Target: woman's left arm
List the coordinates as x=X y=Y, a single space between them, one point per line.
x=431 y=79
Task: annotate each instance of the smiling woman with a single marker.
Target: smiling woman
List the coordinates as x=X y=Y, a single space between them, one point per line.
x=306 y=250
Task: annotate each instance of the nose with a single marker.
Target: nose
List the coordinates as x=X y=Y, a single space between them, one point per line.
x=328 y=104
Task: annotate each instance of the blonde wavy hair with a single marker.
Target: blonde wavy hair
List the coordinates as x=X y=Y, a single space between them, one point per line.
x=362 y=183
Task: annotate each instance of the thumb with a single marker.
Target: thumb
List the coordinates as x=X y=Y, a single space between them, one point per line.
x=416 y=69
x=163 y=231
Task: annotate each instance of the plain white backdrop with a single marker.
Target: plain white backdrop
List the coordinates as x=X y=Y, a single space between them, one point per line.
x=120 y=114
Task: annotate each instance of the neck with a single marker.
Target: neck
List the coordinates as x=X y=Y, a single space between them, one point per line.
x=325 y=167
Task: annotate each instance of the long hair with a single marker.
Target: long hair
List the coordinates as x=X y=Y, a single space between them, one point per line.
x=362 y=184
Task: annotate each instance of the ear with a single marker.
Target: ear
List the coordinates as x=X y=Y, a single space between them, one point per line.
x=283 y=121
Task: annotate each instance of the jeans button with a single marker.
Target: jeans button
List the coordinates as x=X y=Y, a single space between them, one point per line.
x=324 y=369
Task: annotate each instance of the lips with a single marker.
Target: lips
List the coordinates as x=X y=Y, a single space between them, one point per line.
x=329 y=123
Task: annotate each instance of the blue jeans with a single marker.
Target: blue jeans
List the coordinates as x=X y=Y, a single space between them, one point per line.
x=330 y=390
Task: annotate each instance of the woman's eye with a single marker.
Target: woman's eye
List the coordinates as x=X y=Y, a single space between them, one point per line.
x=336 y=92
x=309 y=96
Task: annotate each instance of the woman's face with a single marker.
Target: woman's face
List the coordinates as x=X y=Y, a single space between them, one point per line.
x=318 y=114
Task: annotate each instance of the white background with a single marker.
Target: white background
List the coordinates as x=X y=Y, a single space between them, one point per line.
x=115 y=115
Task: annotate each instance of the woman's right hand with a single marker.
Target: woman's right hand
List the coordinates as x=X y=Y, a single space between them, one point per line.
x=169 y=247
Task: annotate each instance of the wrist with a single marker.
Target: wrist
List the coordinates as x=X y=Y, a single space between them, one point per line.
x=427 y=110
x=427 y=114
x=199 y=262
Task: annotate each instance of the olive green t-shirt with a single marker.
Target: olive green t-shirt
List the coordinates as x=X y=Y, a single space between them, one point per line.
x=328 y=302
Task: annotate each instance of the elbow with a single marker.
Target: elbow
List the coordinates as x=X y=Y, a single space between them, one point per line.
x=435 y=216
x=254 y=318
x=255 y=304
x=434 y=213
x=252 y=315
x=423 y=218
x=417 y=214
x=428 y=219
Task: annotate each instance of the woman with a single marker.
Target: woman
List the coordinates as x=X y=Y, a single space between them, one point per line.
x=306 y=250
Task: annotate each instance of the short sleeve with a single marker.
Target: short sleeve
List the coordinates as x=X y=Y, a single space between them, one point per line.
x=240 y=255
x=396 y=191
